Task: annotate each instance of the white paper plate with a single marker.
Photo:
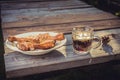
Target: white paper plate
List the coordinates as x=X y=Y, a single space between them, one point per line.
x=12 y=46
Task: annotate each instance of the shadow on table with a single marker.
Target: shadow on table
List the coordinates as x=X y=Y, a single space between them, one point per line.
x=104 y=71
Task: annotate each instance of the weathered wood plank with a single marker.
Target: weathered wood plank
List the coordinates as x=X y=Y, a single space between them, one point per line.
x=60 y=17
x=50 y=5
x=65 y=28
x=22 y=1
x=69 y=40
x=35 y=17
x=116 y=36
x=48 y=68
x=17 y=63
x=49 y=62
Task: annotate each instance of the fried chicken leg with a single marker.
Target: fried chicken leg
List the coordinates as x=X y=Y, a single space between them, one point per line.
x=29 y=46
x=40 y=41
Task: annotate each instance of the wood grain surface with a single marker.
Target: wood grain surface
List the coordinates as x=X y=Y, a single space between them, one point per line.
x=19 y=18
x=61 y=58
x=65 y=28
x=49 y=5
x=57 y=16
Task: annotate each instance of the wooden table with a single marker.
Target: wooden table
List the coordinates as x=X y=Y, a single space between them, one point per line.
x=58 y=16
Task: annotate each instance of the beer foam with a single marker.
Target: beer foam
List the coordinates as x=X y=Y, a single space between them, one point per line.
x=82 y=38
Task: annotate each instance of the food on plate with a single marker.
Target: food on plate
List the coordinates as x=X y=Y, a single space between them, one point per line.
x=40 y=41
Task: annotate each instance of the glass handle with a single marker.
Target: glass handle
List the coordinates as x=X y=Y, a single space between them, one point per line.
x=97 y=39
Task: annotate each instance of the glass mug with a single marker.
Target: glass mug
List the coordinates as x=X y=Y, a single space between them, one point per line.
x=83 y=38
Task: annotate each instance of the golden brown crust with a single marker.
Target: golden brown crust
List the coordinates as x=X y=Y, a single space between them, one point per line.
x=41 y=41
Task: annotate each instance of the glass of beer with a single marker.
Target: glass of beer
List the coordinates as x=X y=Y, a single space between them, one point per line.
x=82 y=39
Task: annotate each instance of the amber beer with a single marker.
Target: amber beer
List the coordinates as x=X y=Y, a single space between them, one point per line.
x=82 y=45
x=82 y=39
